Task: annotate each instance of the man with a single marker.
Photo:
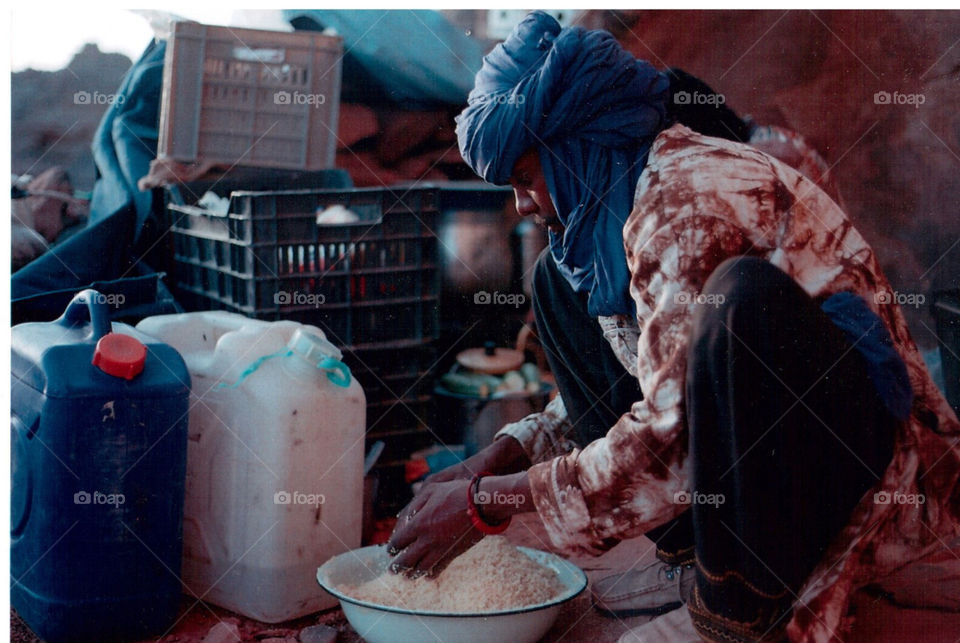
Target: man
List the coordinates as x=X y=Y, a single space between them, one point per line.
x=750 y=398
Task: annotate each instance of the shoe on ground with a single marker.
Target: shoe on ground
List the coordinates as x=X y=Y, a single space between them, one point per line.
x=657 y=588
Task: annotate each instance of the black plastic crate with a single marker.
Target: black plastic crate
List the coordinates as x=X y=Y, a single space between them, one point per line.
x=946 y=308
x=398 y=385
x=401 y=372
x=365 y=284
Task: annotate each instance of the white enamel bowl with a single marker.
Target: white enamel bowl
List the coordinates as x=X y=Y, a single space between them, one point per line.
x=384 y=624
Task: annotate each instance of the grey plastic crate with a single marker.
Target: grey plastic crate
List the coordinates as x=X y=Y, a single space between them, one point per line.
x=250 y=97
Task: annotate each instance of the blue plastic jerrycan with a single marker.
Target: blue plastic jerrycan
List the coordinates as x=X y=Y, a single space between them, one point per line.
x=99 y=436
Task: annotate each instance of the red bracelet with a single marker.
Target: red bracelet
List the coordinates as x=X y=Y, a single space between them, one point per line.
x=488 y=528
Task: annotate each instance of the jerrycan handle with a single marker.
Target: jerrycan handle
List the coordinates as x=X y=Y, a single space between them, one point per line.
x=88 y=306
x=337 y=371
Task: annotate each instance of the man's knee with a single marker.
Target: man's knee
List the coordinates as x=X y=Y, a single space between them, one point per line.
x=743 y=278
x=747 y=285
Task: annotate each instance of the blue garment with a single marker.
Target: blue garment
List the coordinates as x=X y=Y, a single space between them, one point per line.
x=593 y=111
x=866 y=332
x=413 y=59
x=126 y=140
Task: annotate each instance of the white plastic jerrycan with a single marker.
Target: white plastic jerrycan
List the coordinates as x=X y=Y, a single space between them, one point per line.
x=274 y=461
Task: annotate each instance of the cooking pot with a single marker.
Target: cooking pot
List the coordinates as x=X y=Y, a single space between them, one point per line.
x=474 y=421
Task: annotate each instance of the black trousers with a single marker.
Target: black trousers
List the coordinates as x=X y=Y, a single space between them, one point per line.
x=595 y=387
x=784 y=423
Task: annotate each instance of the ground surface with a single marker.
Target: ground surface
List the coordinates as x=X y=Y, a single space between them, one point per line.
x=877 y=620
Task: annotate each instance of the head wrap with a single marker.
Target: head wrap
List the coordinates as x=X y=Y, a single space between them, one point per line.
x=593 y=111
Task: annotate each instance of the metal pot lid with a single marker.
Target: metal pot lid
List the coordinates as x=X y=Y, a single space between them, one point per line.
x=490 y=359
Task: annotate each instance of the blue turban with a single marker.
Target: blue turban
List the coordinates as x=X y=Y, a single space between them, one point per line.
x=593 y=110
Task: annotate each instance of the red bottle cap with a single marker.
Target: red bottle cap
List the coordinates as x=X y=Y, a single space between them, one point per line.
x=120 y=355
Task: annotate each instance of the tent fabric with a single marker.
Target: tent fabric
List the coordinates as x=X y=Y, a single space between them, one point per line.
x=97 y=257
x=412 y=59
x=126 y=140
x=136 y=297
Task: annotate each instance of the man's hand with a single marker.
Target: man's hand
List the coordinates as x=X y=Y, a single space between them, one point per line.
x=433 y=530
x=502 y=457
x=435 y=527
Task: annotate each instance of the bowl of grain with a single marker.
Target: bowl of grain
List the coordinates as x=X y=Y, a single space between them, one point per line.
x=494 y=592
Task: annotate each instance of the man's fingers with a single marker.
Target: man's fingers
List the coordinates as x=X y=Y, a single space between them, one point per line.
x=444 y=475
x=401 y=538
x=403 y=535
x=435 y=560
x=434 y=479
x=407 y=561
x=415 y=505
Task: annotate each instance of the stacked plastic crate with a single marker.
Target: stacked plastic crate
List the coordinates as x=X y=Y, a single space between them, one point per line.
x=371 y=282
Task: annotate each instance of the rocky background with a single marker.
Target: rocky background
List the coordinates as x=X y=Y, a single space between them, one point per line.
x=52 y=124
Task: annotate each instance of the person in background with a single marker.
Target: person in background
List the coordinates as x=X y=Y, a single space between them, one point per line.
x=43 y=212
x=735 y=381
